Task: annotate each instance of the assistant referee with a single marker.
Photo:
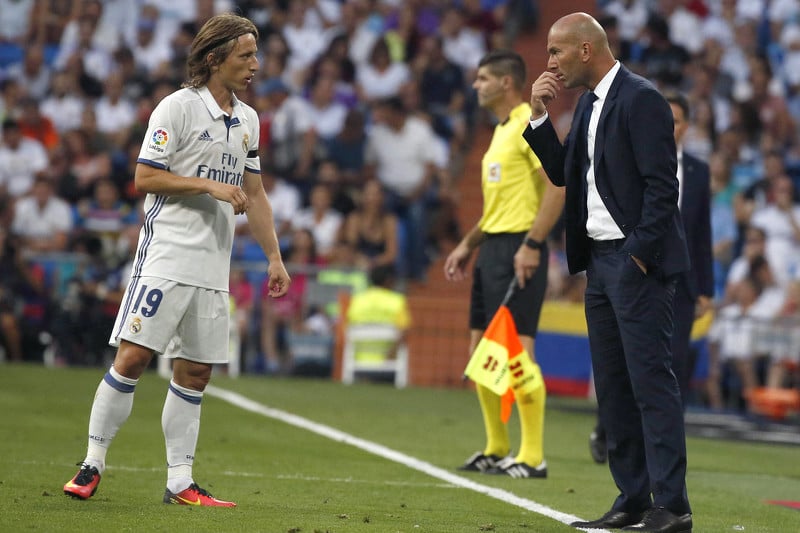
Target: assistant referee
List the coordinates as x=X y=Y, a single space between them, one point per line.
x=520 y=207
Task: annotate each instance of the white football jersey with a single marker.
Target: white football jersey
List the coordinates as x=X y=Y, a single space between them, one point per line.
x=189 y=238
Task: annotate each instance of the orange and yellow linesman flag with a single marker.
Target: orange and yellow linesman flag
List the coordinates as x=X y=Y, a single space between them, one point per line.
x=501 y=364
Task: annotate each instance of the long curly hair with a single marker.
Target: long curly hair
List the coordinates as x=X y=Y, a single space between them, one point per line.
x=213 y=44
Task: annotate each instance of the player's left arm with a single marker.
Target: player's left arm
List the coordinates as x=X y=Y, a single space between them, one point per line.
x=262 y=227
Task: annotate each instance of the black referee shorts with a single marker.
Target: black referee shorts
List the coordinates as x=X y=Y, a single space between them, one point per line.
x=491 y=277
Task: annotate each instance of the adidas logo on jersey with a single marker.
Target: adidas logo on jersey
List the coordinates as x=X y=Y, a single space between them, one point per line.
x=205 y=136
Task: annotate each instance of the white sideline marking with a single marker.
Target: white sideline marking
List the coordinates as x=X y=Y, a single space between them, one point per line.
x=387 y=453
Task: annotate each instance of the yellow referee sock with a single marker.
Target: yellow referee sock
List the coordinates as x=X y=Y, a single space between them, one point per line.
x=531 y=421
x=497 y=442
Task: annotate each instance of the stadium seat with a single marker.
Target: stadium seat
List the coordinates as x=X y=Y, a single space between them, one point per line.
x=374 y=338
x=10 y=54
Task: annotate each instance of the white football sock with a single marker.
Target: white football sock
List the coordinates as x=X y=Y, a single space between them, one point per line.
x=111 y=407
x=180 y=421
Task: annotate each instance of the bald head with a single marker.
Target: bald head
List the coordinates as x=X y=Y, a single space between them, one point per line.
x=582 y=27
x=579 y=50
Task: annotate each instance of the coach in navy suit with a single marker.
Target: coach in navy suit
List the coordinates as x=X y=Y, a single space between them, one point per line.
x=623 y=227
x=695 y=290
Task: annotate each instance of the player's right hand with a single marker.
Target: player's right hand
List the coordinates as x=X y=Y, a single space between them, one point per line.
x=454 y=265
x=233 y=194
x=543 y=91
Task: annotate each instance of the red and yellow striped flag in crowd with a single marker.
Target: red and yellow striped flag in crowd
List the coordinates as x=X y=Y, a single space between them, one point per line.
x=501 y=364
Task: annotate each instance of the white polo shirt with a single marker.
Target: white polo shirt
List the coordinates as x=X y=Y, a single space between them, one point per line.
x=189 y=238
x=401 y=156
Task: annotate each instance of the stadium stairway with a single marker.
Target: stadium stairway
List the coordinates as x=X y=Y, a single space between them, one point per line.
x=438 y=341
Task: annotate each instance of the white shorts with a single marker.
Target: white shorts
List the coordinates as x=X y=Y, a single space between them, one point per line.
x=176 y=320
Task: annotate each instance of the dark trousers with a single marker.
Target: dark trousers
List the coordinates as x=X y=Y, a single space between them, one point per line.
x=629 y=316
x=682 y=361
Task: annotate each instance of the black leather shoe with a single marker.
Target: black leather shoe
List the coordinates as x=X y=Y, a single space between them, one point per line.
x=660 y=520
x=597 y=447
x=612 y=519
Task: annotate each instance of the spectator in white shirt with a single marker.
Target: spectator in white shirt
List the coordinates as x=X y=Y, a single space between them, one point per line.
x=780 y=221
x=32 y=72
x=63 y=106
x=402 y=152
x=96 y=60
x=462 y=45
x=15 y=20
x=321 y=219
x=150 y=53
x=114 y=113
x=305 y=39
x=42 y=221
x=380 y=77
x=22 y=160
x=328 y=114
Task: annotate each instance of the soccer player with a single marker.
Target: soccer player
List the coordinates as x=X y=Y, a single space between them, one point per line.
x=520 y=207
x=199 y=167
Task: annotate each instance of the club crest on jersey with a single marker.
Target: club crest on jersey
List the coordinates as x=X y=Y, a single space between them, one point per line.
x=245 y=142
x=158 y=141
x=135 y=325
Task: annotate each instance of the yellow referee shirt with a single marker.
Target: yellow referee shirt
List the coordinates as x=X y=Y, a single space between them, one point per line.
x=510 y=179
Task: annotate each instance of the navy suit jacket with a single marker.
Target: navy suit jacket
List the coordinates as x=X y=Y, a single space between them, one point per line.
x=696 y=215
x=635 y=166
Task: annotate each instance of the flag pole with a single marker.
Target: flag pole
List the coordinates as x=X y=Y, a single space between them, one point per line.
x=511 y=291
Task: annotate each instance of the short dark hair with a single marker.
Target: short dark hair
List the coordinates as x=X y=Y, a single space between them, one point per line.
x=677 y=98
x=506 y=63
x=382 y=275
x=10 y=124
x=393 y=103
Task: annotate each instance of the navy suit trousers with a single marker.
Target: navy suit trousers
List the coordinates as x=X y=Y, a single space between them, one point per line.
x=682 y=360
x=630 y=320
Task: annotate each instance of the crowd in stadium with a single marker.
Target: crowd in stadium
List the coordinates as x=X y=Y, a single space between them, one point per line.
x=367 y=113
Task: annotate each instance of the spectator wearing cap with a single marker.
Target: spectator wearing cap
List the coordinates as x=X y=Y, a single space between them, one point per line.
x=22 y=160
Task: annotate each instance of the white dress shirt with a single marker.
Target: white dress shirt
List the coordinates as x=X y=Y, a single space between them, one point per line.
x=600 y=224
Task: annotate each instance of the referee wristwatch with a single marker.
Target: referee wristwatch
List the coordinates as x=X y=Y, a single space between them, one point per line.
x=533 y=244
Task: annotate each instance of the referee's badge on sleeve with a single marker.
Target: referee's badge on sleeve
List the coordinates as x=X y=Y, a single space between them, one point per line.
x=494 y=173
